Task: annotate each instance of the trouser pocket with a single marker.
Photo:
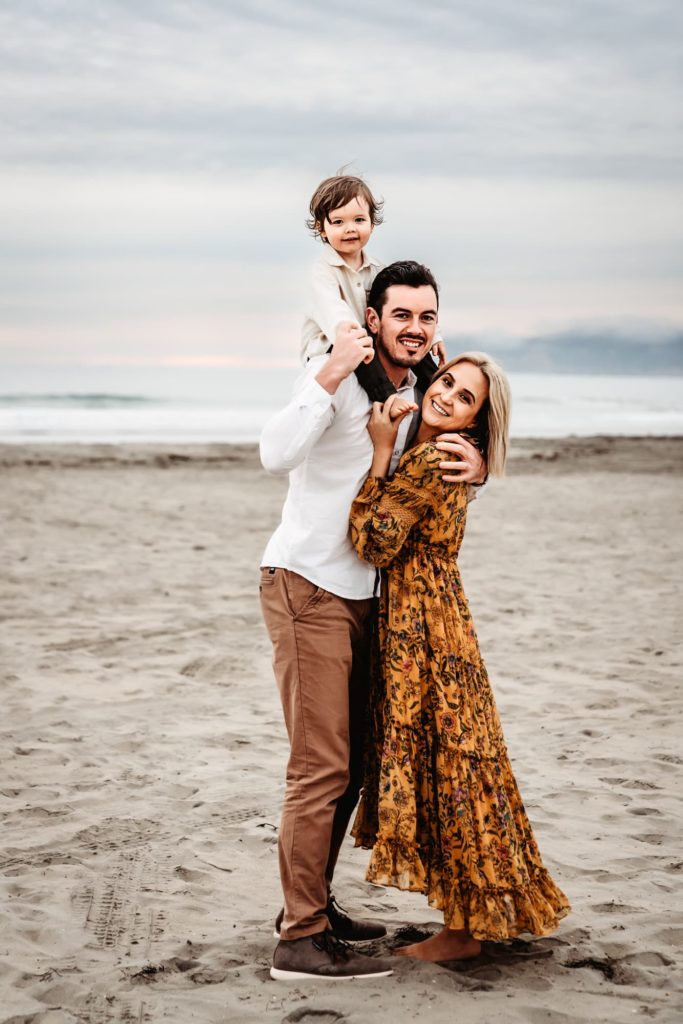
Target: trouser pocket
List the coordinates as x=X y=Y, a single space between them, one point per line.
x=302 y=595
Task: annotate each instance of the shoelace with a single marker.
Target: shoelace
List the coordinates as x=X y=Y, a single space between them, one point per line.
x=327 y=942
x=333 y=905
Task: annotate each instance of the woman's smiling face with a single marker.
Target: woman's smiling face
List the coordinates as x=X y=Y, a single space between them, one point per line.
x=453 y=401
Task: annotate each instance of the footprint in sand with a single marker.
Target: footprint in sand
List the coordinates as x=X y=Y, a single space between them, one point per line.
x=669 y=758
x=609 y=968
x=536 y=1015
x=121 y=1011
x=671 y=936
x=116 y=910
x=306 y=1015
x=616 y=908
x=630 y=783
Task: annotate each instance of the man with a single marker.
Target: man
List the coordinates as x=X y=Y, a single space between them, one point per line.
x=317 y=602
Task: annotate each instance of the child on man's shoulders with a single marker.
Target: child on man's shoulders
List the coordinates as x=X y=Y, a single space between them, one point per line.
x=344 y=214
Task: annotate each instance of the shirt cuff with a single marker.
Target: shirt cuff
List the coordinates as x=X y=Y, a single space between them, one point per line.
x=314 y=396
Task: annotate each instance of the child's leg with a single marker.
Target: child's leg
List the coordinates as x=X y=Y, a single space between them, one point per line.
x=374 y=381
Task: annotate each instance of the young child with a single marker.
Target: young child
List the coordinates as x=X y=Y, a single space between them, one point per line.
x=344 y=213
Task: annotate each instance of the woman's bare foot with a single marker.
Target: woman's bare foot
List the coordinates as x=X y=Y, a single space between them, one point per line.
x=448 y=944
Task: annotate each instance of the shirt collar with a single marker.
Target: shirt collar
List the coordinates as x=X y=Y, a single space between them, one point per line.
x=332 y=257
x=410 y=381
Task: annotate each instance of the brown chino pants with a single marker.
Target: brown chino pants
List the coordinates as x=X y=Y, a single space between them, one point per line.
x=321 y=661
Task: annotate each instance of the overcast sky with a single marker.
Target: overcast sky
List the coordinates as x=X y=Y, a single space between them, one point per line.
x=158 y=158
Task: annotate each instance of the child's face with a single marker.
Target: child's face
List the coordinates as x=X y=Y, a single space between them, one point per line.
x=348 y=228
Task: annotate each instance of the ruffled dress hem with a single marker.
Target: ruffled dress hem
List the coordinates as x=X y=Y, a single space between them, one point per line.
x=489 y=912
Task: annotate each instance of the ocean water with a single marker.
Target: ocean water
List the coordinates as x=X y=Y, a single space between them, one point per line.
x=99 y=404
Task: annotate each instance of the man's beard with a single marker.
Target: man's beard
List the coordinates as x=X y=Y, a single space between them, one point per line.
x=405 y=360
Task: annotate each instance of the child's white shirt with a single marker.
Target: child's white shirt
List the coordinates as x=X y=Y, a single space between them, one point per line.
x=336 y=294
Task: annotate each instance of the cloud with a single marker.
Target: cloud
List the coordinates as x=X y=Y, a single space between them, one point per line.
x=525 y=87
x=158 y=159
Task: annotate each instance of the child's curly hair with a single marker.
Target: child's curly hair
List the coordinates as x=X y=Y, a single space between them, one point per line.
x=338 y=191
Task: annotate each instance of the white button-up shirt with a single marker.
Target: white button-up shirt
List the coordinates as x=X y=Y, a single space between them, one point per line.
x=322 y=441
x=337 y=293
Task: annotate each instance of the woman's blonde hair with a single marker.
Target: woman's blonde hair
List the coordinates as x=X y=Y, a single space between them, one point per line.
x=493 y=419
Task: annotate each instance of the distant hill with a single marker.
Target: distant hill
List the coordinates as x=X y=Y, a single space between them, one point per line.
x=591 y=352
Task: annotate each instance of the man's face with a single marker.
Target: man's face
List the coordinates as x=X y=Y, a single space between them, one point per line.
x=404 y=333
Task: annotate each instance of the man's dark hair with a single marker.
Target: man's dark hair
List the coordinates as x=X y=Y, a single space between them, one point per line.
x=415 y=275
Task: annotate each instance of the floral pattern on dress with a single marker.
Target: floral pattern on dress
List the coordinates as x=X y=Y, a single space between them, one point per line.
x=440 y=807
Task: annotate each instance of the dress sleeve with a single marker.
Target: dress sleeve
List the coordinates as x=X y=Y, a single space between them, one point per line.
x=386 y=510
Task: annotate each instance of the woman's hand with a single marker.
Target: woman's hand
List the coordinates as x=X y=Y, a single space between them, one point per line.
x=385 y=420
x=383 y=425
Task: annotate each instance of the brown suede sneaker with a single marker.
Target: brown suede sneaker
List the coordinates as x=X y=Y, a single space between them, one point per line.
x=343 y=926
x=323 y=957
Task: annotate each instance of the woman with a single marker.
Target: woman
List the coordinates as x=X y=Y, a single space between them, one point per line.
x=440 y=809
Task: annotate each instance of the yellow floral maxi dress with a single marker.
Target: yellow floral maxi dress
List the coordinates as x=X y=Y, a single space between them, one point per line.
x=440 y=808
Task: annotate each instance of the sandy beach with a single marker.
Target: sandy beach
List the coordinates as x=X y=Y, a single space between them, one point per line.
x=143 y=749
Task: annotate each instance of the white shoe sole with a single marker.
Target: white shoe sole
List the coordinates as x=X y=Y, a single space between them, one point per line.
x=276 y=935
x=279 y=975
